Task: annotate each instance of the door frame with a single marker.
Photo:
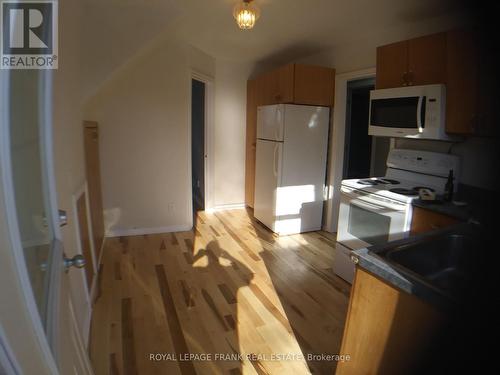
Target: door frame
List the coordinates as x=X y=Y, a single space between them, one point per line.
x=31 y=327
x=89 y=292
x=209 y=141
x=337 y=145
x=347 y=132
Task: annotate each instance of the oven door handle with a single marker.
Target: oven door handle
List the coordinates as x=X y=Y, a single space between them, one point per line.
x=372 y=203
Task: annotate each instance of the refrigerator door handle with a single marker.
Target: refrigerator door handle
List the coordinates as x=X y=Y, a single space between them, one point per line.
x=275 y=167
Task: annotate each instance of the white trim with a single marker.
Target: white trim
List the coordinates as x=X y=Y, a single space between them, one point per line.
x=83 y=190
x=8 y=361
x=225 y=207
x=11 y=213
x=141 y=231
x=209 y=141
x=93 y=287
x=337 y=139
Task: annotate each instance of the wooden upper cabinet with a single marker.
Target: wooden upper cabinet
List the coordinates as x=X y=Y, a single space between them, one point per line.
x=314 y=85
x=419 y=61
x=297 y=84
x=462 y=82
x=427 y=60
x=456 y=59
x=392 y=65
x=285 y=87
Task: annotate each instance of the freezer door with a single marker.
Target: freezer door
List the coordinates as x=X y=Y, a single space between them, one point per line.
x=270 y=119
x=267 y=176
x=301 y=191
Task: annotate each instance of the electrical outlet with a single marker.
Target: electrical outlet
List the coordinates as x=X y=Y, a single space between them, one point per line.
x=171 y=207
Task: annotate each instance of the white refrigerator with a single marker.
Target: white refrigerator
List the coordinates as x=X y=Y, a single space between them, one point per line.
x=290 y=169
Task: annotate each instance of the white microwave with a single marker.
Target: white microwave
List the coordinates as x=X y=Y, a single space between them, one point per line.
x=409 y=112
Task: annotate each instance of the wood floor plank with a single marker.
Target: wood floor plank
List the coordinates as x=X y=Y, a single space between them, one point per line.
x=229 y=286
x=180 y=345
x=129 y=360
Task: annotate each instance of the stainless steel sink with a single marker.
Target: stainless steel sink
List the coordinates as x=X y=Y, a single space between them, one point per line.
x=447 y=260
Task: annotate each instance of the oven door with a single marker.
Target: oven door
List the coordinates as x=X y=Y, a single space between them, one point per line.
x=366 y=220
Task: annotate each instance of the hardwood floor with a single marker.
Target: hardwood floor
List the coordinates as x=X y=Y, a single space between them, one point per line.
x=229 y=289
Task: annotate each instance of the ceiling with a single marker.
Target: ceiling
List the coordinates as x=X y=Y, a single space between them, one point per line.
x=312 y=24
x=289 y=29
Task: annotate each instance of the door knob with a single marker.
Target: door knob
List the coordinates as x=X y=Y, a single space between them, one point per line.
x=63 y=218
x=77 y=261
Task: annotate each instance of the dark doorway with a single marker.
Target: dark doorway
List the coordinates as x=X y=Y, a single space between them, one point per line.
x=364 y=155
x=198 y=143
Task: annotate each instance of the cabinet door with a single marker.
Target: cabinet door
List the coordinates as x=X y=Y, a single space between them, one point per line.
x=284 y=77
x=392 y=64
x=425 y=221
x=251 y=139
x=387 y=330
x=462 y=82
x=314 y=85
x=267 y=88
x=427 y=60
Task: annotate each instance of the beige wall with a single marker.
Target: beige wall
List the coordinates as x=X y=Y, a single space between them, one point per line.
x=230 y=127
x=143 y=114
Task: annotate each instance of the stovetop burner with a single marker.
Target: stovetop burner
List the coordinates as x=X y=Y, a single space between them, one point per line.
x=377 y=181
x=368 y=182
x=417 y=188
x=404 y=191
x=389 y=181
x=410 y=192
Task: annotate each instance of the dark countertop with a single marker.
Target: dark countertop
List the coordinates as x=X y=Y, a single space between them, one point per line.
x=389 y=274
x=462 y=213
x=405 y=280
x=476 y=199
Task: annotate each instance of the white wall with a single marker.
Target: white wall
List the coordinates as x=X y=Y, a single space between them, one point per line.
x=142 y=114
x=230 y=128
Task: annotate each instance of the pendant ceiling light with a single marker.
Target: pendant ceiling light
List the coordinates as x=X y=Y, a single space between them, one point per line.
x=246 y=14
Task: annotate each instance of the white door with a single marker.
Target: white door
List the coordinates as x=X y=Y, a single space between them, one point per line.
x=270 y=122
x=267 y=176
x=28 y=189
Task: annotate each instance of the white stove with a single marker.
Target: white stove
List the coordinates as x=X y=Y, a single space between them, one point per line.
x=378 y=210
